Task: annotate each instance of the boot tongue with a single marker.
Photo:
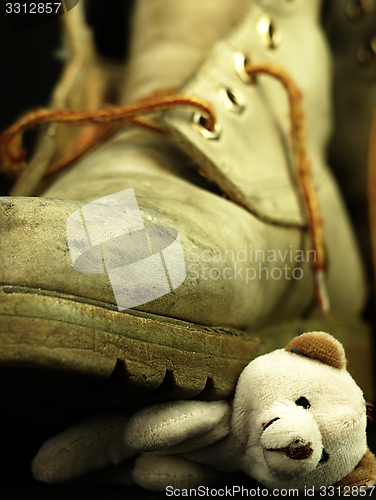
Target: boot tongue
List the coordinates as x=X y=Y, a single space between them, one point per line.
x=170 y=39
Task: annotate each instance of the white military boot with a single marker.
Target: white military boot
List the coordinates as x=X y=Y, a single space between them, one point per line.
x=248 y=262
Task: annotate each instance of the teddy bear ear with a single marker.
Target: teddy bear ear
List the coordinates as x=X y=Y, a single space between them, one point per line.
x=364 y=474
x=320 y=346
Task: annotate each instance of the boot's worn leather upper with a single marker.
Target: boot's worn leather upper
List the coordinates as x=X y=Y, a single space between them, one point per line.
x=255 y=116
x=227 y=282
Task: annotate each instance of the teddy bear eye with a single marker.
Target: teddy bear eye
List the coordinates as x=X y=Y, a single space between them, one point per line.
x=303 y=402
x=324 y=457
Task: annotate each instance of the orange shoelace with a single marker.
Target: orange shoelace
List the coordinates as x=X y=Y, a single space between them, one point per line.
x=12 y=155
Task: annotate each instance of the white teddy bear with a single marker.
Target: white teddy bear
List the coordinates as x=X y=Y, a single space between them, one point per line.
x=297 y=420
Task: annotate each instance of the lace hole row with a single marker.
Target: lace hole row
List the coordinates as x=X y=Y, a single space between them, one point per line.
x=232 y=99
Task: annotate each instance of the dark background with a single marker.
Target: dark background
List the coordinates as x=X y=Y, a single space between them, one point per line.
x=29 y=70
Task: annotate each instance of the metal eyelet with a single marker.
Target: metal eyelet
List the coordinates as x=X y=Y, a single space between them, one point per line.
x=199 y=123
x=366 y=55
x=271 y=38
x=232 y=99
x=356 y=9
x=240 y=60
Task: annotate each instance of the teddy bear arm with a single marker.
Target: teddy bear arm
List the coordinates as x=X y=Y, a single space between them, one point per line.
x=86 y=447
x=162 y=427
x=202 y=441
x=158 y=472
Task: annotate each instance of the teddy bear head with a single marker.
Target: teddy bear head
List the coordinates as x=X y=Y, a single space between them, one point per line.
x=300 y=419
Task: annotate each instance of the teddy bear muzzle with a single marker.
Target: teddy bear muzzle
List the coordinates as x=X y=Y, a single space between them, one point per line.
x=294 y=459
x=291 y=442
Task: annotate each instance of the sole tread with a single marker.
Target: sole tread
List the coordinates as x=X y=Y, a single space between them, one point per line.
x=110 y=358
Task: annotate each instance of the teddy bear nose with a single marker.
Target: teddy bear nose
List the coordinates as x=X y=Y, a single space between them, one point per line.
x=295 y=452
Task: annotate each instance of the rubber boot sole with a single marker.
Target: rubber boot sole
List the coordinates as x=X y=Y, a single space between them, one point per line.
x=62 y=350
